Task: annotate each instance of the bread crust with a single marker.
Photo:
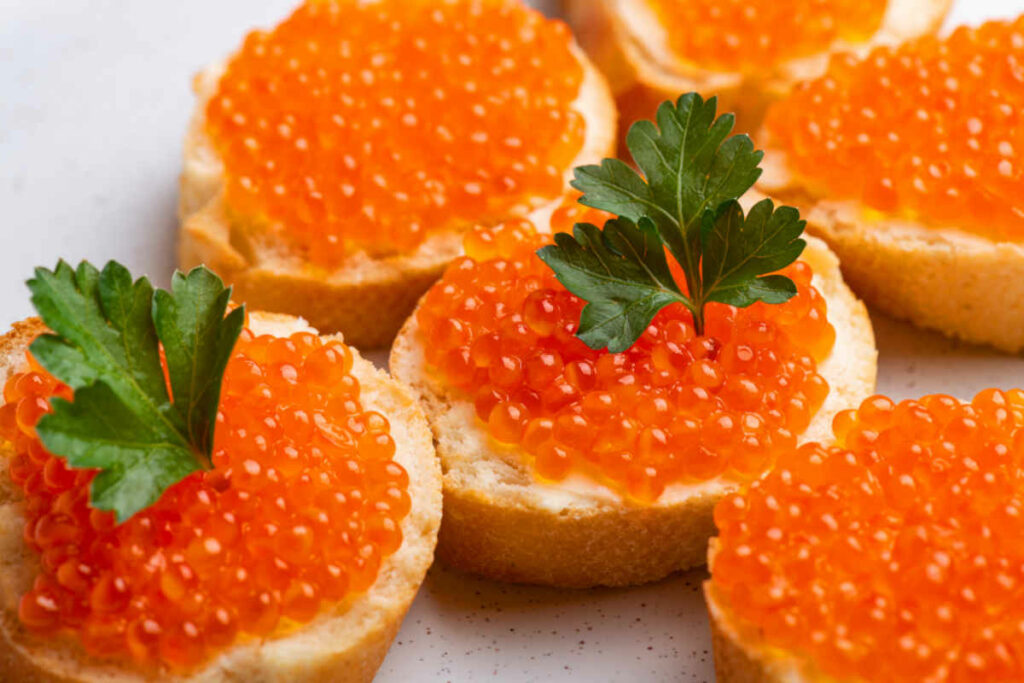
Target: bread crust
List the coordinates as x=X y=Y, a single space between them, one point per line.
x=627 y=42
x=501 y=523
x=344 y=643
x=964 y=285
x=366 y=298
x=739 y=655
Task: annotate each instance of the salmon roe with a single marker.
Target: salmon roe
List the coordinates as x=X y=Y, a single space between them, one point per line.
x=930 y=131
x=365 y=126
x=757 y=35
x=897 y=555
x=303 y=504
x=675 y=407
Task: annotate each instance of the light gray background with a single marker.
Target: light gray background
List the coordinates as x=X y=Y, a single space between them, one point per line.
x=94 y=97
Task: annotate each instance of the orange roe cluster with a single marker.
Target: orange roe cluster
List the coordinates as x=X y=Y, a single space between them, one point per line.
x=365 y=126
x=675 y=407
x=754 y=36
x=931 y=131
x=897 y=555
x=567 y=214
x=303 y=504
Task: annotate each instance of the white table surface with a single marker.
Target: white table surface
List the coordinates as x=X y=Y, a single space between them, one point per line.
x=94 y=97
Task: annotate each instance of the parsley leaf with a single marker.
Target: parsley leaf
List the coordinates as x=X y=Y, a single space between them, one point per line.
x=627 y=261
x=683 y=200
x=197 y=340
x=106 y=346
x=736 y=250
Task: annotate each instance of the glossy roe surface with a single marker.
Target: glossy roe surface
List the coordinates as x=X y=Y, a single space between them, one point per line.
x=752 y=36
x=897 y=555
x=365 y=126
x=932 y=131
x=303 y=504
x=673 y=408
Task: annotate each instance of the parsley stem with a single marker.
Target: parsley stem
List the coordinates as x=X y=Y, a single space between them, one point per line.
x=691 y=271
x=696 y=302
x=696 y=313
x=205 y=460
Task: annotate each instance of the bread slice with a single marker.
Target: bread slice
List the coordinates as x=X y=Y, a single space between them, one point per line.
x=629 y=44
x=502 y=523
x=343 y=643
x=366 y=298
x=959 y=283
x=740 y=657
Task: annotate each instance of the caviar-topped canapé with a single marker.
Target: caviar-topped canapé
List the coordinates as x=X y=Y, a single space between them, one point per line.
x=365 y=126
x=931 y=130
x=676 y=407
x=895 y=555
x=303 y=503
x=757 y=35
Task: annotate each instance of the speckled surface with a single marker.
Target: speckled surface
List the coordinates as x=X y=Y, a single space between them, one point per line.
x=913 y=363
x=491 y=631
x=465 y=629
x=94 y=97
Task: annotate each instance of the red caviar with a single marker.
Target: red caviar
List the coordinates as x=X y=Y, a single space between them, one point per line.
x=303 y=504
x=675 y=407
x=571 y=212
x=757 y=35
x=364 y=126
x=897 y=555
x=932 y=130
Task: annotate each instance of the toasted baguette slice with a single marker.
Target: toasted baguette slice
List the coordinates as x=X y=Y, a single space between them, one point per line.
x=740 y=657
x=344 y=643
x=502 y=523
x=629 y=44
x=962 y=284
x=366 y=298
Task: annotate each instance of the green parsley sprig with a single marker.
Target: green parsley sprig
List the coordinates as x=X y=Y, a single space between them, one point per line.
x=684 y=199
x=107 y=333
